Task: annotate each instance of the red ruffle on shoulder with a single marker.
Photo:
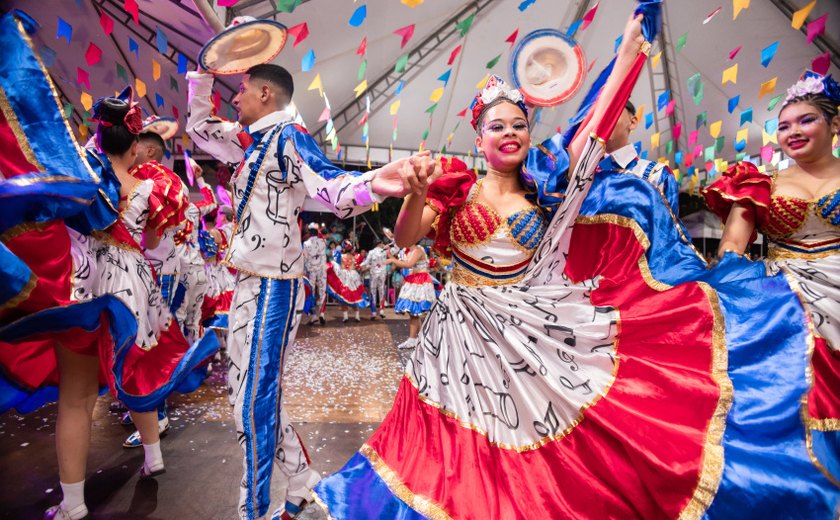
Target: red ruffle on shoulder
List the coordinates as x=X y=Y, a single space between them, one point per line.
x=741 y=184
x=167 y=202
x=445 y=195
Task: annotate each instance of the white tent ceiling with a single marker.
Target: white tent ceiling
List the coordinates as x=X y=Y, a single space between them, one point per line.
x=335 y=42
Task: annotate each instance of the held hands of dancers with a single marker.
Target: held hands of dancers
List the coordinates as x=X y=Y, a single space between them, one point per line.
x=407 y=176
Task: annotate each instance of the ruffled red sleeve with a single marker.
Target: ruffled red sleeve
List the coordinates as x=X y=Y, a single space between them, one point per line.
x=167 y=202
x=446 y=195
x=741 y=184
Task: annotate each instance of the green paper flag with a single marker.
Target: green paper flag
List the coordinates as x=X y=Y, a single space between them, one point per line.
x=401 y=63
x=740 y=156
x=464 y=25
x=719 y=142
x=701 y=120
x=698 y=97
x=669 y=147
x=681 y=42
x=492 y=63
x=394 y=135
x=431 y=109
x=173 y=84
x=85 y=118
x=710 y=153
x=425 y=135
x=362 y=68
x=774 y=102
x=443 y=150
x=68 y=110
x=121 y=73
x=287 y=6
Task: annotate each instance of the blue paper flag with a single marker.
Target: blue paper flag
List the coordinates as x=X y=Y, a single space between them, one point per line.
x=663 y=99
x=182 y=64
x=133 y=47
x=638 y=146
x=678 y=157
x=159 y=100
x=358 y=16
x=768 y=52
x=65 y=30
x=526 y=4
x=47 y=56
x=161 y=41
x=691 y=171
x=746 y=116
x=308 y=61
x=167 y=154
x=399 y=88
x=733 y=103
x=740 y=145
x=573 y=28
x=771 y=125
x=445 y=77
x=617 y=43
x=648 y=120
x=644 y=155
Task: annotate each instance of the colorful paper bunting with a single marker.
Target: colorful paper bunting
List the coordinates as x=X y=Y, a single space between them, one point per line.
x=774 y=102
x=768 y=137
x=406 y=33
x=87 y=101
x=182 y=64
x=648 y=120
x=821 y=63
x=719 y=144
x=712 y=15
x=228 y=3
x=677 y=132
x=161 y=41
x=445 y=77
x=654 y=60
x=701 y=120
x=133 y=9
x=82 y=77
x=65 y=30
x=732 y=104
x=308 y=61
x=526 y=4
x=482 y=82
x=412 y=3
x=669 y=148
x=358 y=16
x=325 y=115
x=360 y=88
x=287 y=6
x=464 y=25
x=738 y=6
x=714 y=129
x=173 y=84
x=299 y=32
x=492 y=63
x=669 y=109
x=155 y=70
x=159 y=100
x=139 y=87
x=681 y=42
x=106 y=23
x=654 y=140
x=512 y=38
x=360 y=74
x=742 y=135
x=730 y=74
x=316 y=84
x=401 y=63
x=734 y=52
x=768 y=52
x=692 y=138
x=121 y=73
x=398 y=90
x=395 y=107
x=93 y=54
x=570 y=32
x=662 y=100
x=771 y=125
x=589 y=16
x=746 y=116
x=431 y=109
x=436 y=95
x=816 y=28
x=453 y=54
x=766 y=153
x=767 y=87
x=798 y=18
x=134 y=47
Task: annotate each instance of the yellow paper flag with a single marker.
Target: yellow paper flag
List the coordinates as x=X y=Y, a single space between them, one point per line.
x=140 y=87
x=762 y=169
x=640 y=112
x=730 y=74
x=360 y=88
x=185 y=139
x=677 y=174
x=87 y=101
x=436 y=95
x=768 y=138
x=480 y=84
x=799 y=16
x=83 y=131
x=714 y=129
x=155 y=70
x=412 y=3
x=395 y=107
x=738 y=6
x=316 y=83
x=654 y=140
x=742 y=135
x=654 y=61
x=767 y=87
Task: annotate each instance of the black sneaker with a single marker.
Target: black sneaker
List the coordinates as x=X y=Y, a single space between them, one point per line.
x=321 y=320
x=345 y=320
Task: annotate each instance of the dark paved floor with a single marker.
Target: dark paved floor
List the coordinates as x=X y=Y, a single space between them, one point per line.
x=339 y=385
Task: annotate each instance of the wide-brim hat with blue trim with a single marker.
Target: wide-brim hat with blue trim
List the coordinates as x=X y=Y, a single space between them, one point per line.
x=165 y=127
x=548 y=67
x=246 y=42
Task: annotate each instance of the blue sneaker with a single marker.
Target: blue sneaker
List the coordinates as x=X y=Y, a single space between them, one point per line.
x=134 y=441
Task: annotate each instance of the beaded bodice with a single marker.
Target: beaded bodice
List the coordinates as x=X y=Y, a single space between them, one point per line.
x=798 y=225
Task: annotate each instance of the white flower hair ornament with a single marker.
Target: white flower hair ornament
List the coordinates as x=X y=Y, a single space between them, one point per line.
x=494 y=89
x=813 y=83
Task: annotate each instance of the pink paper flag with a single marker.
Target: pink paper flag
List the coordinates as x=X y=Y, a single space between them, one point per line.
x=698 y=150
x=670 y=108
x=512 y=38
x=589 y=16
x=692 y=138
x=174 y=111
x=228 y=3
x=816 y=27
x=133 y=9
x=821 y=63
x=107 y=23
x=712 y=15
x=93 y=54
x=82 y=77
x=677 y=131
x=734 y=52
x=299 y=32
x=462 y=113
x=362 y=47
x=188 y=167
x=406 y=32
x=453 y=55
x=217 y=102
x=325 y=115
x=766 y=153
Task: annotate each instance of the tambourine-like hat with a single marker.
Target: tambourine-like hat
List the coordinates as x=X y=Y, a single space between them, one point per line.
x=246 y=42
x=548 y=67
x=165 y=127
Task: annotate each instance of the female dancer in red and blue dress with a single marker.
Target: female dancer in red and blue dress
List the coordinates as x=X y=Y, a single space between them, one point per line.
x=417 y=295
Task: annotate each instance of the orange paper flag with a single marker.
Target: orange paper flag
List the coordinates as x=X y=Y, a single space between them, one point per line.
x=767 y=87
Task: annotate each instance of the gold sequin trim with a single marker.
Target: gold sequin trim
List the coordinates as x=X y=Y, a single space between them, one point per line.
x=322 y=505
x=778 y=253
x=463 y=276
x=21 y=296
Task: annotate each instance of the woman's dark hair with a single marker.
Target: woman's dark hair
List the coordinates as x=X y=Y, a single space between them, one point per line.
x=821 y=102
x=210 y=218
x=112 y=135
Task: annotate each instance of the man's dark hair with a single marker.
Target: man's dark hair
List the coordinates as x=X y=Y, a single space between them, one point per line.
x=274 y=74
x=630 y=107
x=153 y=138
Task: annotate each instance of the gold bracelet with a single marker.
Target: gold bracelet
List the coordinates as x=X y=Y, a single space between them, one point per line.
x=742 y=255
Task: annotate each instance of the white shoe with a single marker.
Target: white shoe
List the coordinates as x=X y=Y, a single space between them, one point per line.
x=382 y=314
x=147 y=471
x=410 y=343
x=59 y=513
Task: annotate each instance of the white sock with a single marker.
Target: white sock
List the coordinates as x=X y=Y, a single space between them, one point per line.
x=345 y=315
x=153 y=455
x=74 y=496
x=357 y=314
